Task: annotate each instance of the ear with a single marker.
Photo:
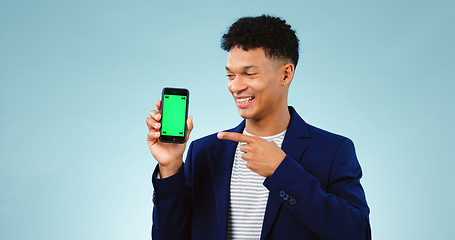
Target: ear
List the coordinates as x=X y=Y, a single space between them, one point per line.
x=288 y=73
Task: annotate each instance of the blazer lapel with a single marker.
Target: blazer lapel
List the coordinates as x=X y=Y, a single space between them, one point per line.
x=222 y=160
x=294 y=147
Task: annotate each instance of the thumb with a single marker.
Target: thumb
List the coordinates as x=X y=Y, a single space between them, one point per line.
x=189 y=124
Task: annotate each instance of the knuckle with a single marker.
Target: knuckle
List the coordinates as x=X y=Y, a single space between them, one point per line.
x=150 y=123
x=248 y=164
x=251 y=166
x=252 y=148
x=150 y=136
x=245 y=157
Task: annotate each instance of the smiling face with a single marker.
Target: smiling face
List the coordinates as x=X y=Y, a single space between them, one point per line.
x=257 y=83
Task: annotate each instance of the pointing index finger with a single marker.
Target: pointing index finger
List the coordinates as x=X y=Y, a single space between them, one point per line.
x=237 y=137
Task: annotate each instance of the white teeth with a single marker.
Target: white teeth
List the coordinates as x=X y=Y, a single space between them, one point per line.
x=244 y=100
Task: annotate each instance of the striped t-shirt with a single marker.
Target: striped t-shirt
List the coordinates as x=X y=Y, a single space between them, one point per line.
x=248 y=197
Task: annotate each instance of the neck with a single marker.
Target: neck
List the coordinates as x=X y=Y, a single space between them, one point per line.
x=269 y=125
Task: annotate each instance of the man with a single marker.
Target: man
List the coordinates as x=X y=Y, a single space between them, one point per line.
x=271 y=177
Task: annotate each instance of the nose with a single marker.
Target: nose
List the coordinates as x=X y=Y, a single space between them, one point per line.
x=237 y=85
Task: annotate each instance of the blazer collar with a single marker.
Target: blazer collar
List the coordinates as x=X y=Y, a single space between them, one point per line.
x=297 y=127
x=294 y=143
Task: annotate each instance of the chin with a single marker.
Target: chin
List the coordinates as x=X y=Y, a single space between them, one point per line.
x=242 y=113
x=246 y=114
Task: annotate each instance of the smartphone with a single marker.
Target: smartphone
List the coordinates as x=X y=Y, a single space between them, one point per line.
x=174 y=112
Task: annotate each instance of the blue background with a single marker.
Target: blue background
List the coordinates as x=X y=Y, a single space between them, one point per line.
x=78 y=79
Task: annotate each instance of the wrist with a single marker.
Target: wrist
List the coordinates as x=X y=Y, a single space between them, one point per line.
x=169 y=169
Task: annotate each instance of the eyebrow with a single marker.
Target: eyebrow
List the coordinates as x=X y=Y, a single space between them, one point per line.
x=244 y=68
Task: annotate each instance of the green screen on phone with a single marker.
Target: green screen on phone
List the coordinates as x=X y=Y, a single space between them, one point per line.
x=173 y=119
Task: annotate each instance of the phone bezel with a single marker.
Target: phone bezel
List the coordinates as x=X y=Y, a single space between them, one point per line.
x=179 y=92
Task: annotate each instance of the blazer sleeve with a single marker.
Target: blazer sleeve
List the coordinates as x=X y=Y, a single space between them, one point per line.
x=338 y=212
x=172 y=205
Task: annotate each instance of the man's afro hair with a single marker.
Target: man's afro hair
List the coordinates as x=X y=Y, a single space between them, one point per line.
x=271 y=33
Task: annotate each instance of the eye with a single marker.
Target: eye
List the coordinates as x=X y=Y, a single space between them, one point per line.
x=230 y=76
x=250 y=74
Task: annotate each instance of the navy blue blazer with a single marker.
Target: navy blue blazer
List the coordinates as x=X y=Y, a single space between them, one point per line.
x=315 y=193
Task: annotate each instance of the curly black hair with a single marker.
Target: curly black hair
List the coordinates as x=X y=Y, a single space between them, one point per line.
x=271 y=33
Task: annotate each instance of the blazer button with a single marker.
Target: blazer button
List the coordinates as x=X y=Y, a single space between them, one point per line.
x=286 y=197
x=293 y=201
x=282 y=193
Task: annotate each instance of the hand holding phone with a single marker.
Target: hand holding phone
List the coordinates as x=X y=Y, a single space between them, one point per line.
x=169 y=155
